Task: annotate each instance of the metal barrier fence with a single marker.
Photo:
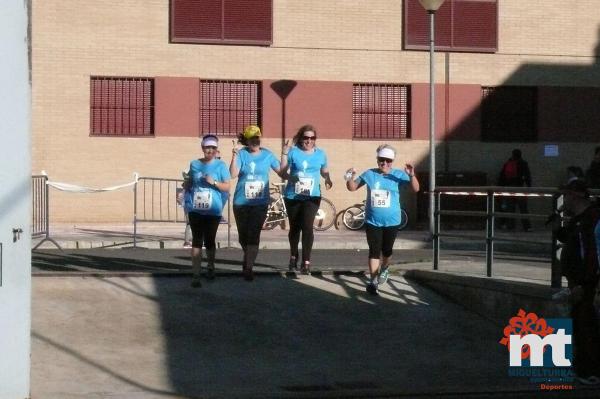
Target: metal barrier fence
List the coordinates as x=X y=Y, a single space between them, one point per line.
x=155 y=200
x=40 y=210
x=490 y=214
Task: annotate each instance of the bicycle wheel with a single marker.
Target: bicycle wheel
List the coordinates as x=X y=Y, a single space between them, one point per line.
x=403 y=219
x=325 y=215
x=274 y=215
x=354 y=217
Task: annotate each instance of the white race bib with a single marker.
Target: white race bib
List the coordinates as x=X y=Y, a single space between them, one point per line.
x=202 y=199
x=304 y=185
x=380 y=198
x=254 y=189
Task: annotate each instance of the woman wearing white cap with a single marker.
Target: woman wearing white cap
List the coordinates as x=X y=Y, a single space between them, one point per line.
x=382 y=213
x=306 y=164
x=251 y=164
x=207 y=187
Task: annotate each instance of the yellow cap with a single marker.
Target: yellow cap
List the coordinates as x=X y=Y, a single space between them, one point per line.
x=251 y=131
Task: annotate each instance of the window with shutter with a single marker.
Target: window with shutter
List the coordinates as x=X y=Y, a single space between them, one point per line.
x=380 y=111
x=121 y=106
x=509 y=113
x=460 y=25
x=222 y=21
x=226 y=107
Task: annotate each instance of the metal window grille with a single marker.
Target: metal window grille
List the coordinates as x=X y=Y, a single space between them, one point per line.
x=226 y=107
x=121 y=106
x=509 y=113
x=381 y=111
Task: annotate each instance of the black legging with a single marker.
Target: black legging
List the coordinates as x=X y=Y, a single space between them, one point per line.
x=249 y=221
x=301 y=214
x=380 y=240
x=204 y=229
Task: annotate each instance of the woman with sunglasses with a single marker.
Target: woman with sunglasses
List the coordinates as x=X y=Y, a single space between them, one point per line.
x=303 y=164
x=382 y=212
x=251 y=165
x=206 y=189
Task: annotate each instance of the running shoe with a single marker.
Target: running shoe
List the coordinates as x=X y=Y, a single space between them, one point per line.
x=196 y=281
x=305 y=268
x=384 y=274
x=372 y=288
x=248 y=275
x=210 y=273
x=292 y=267
x=591 y=380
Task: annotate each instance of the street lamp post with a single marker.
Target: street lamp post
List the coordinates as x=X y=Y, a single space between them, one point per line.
x=431 y=6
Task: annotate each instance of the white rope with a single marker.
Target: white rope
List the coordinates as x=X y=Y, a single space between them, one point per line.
x=497 y=194
x=73 y=188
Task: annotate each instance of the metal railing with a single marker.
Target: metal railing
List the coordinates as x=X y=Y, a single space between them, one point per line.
x=155 y=200
x=40 y=210
x=490 y=215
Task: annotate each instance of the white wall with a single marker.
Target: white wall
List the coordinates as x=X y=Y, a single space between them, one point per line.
x=15 y=200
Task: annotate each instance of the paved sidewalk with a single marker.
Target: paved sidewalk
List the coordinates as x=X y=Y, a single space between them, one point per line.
x=170 y=236
x=277 y=337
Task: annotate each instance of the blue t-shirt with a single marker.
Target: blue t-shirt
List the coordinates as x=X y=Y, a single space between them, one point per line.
x=383 y=196
x=252 y=187
x=307 y=167
x=204 y=198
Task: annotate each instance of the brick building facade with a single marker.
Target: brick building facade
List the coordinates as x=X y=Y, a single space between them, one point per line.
x=547 y=48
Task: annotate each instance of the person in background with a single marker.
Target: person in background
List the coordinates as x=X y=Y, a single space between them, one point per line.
x=514 y=173
x=581 y=239
x=208 y=181
x=574 y=172
x=251 y=164
x=382 y=211
x=592 y=175
x=303 y=164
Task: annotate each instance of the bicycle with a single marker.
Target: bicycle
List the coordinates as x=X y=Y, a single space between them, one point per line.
x=354 y=217
x=277 y=211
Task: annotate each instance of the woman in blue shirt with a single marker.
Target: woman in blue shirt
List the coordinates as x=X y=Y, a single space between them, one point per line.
x=251 y=165
x=382 y=212
x=206 y=189
x=304 y=165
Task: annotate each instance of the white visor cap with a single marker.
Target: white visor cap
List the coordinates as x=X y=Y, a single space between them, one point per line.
x=386 y=153
x=210 y=141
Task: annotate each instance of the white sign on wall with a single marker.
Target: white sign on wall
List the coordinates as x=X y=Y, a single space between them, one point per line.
x=551 y=150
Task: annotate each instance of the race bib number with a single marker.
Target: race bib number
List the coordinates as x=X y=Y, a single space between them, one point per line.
x=254 y=189
x=202 y=200
x=304 y=185
x=380 y=199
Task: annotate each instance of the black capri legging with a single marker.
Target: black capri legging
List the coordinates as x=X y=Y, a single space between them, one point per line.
x=301 y=214
x=380 y=240
x=249 y=220
x=204 y=229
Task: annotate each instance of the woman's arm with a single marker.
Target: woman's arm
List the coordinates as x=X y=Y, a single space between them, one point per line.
x=414 y=182
x=351 y=184
x=283 y=168
x=233 y=169
x=325 y=175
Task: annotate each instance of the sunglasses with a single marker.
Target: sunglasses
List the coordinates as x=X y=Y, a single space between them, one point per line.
x=386 y=160
x=307 y=138
x=210 y=147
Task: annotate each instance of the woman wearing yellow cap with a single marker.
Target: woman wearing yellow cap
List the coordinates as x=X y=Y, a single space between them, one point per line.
x=251 y=164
